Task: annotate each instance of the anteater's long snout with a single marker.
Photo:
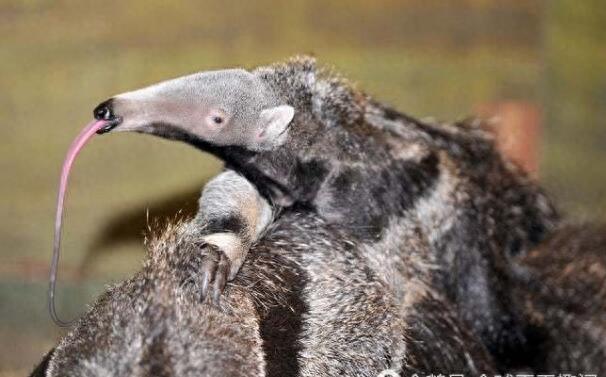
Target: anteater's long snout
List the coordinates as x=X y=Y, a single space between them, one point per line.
x=105 y=111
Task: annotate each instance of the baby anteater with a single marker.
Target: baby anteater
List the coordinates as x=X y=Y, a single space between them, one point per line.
x=306 y=139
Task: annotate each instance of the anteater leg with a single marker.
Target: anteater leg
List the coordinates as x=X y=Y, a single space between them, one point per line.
x=232 y=215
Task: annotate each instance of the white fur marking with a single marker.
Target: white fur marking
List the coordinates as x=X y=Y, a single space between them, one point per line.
x=229 y=243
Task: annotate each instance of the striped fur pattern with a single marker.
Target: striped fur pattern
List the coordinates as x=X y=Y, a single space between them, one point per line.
x=398 y=246
x=364 y=166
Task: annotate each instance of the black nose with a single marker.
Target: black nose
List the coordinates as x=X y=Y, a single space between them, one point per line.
x=104 y=111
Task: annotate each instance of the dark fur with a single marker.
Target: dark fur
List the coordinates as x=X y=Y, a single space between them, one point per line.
x=431 y=211
x=307 y=302
x=362 y=165
x=562 y=292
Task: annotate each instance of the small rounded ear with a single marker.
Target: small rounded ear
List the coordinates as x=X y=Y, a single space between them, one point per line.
x=272 y=127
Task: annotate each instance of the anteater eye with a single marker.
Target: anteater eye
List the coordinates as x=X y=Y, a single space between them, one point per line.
x=217 y=119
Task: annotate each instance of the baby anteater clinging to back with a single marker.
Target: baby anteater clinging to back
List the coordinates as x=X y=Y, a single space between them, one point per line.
x=307 y=141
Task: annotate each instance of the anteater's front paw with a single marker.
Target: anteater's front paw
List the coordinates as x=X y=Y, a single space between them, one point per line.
x=214 y=272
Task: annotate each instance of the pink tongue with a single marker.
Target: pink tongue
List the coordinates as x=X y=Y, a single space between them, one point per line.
x=87 y=133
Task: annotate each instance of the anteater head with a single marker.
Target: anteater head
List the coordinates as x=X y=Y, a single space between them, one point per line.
x=280 y=125
x=229 y=107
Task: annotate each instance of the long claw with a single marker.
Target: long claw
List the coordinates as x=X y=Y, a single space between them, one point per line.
x=209 y=267
x=220 y=278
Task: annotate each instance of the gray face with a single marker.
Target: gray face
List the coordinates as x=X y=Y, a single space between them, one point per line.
x=223 y=108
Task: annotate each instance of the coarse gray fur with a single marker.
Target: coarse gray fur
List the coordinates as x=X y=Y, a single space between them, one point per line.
x=417 y=201
x=307 y=302
x=363 y=166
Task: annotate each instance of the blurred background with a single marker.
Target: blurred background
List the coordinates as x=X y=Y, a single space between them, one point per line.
x=538 y=65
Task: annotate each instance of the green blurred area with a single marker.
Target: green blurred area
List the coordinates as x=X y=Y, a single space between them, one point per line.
x=58 y=59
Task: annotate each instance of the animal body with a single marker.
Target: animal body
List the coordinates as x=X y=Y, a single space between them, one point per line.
x=387 y=225
x=307 y=302
x=306 y=139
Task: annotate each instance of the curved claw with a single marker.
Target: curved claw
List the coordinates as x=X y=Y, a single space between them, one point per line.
x=209 y=267
x=221 y=276
x=214 y=272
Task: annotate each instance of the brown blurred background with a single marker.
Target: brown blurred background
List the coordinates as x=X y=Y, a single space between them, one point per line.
x=539 y=65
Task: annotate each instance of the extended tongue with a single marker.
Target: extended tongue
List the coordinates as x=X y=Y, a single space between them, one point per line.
x=79 y=142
